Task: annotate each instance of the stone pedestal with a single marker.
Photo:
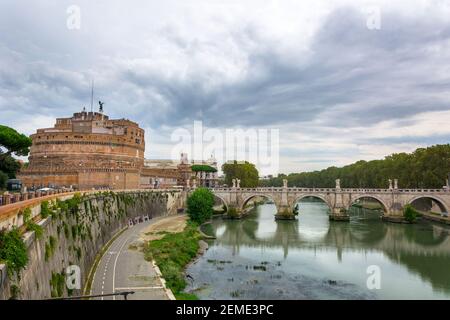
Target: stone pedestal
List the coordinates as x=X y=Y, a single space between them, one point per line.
x=339 y=214
x=284 y=213
x=339 y=217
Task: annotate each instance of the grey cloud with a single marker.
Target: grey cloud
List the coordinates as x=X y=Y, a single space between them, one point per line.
x=349 y=76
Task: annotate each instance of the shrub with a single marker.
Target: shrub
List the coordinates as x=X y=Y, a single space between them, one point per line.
x=410 y=214
x=57 y=284
x=38 y=230
x=232 y=212
x=45 y=211
x=73 y=203
x=50 y=247
x=31 y=225
x=13 y=250
x=200 y=205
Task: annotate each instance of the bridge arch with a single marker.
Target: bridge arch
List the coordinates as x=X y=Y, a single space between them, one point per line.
x=381 y=201
x=223 y=200
x=248 y=198
x=317 y=196
x=439 y=201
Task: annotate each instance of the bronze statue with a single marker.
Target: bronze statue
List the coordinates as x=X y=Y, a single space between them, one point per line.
x=100 y=109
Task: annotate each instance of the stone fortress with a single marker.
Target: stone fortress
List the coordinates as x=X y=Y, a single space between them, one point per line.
x=91 y=151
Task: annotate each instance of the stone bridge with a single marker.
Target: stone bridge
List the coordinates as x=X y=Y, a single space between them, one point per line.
x=338 y=199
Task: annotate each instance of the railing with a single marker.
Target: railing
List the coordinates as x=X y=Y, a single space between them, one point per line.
x=125 y=295
x=9 y=198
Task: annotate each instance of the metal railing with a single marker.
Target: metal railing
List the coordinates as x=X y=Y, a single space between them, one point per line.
x=125 y=295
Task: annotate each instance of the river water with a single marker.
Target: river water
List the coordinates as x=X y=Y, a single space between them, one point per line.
x=313 y=258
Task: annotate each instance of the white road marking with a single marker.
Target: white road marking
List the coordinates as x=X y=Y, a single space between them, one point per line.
x=115 y=263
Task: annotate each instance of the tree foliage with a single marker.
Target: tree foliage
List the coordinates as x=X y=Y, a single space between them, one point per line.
x=14 y=142
x=200 y=205
x=244 y=171
x=423 y=168
x=11 y=142
x=3 y=179
x=203 y=168
x=9 y=166
x=13 y=250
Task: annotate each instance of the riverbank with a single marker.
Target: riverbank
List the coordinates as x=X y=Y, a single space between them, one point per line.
x=172 y=253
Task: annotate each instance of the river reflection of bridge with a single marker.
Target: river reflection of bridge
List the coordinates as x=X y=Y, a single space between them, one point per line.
x=423 y=248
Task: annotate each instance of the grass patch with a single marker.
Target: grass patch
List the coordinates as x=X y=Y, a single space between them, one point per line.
x=172 y=253
x=185 y=296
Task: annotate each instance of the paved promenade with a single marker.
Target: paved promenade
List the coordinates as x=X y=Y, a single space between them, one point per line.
x=123 y=268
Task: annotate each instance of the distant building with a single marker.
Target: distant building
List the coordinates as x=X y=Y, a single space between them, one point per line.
x=166 y=173
x=90 y=151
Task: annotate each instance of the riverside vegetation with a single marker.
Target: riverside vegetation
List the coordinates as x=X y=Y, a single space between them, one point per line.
x=174 y=251
x=423 y=168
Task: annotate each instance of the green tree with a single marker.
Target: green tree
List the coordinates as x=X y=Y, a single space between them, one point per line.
x=423 y=168
x=200 y=205
x=14 y=142
x=11 y=143
x=9 y=166
x=3 y=179
x=244 y=171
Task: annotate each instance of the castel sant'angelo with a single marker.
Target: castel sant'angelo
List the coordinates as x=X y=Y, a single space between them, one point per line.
x=91 y=151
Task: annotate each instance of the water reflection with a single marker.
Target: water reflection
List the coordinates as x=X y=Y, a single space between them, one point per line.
x=415 y=259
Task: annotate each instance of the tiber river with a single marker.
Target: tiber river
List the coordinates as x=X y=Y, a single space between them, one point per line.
x=313 y=258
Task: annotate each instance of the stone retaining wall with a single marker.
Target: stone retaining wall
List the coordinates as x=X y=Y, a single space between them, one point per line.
x=74 y=238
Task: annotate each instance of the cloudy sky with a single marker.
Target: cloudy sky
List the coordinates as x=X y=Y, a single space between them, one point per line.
x=339 y=81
